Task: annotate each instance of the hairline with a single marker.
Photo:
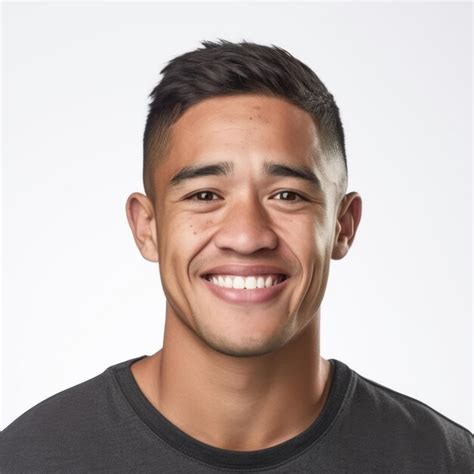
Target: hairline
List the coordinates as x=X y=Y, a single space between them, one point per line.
x=156 y=153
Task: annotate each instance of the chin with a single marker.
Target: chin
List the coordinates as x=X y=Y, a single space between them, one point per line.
x=246 y=347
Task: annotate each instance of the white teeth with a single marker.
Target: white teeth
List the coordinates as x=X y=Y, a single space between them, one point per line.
x=250 y=283
x=239 y=282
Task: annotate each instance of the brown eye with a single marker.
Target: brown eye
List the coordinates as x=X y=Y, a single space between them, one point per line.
x=289 y=196
x=203 y=196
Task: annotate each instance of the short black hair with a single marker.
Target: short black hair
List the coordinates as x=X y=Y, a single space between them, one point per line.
x=224 y=68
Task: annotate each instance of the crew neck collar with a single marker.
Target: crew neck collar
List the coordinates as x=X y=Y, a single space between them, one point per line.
x=223 y=458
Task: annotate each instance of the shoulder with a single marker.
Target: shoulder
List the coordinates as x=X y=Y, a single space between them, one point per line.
x=410 y=425
x=59 y=427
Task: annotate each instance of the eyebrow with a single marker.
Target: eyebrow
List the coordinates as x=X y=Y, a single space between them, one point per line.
x=223 y=168
x=226 y=168
x=301 y=172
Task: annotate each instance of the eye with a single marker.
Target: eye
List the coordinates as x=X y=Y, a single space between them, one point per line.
x=203 y=196
x=289 y=196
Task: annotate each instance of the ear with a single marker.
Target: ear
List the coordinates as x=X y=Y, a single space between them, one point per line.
x=141 y=218
x=347 y=222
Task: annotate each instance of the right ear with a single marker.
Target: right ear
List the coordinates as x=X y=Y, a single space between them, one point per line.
x=141 y=218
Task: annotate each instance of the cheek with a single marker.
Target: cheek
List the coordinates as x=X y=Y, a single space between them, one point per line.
x=196 y=228
x=307 y=235
x=185 y=234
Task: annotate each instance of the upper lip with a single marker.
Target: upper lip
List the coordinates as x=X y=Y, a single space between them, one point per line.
x=245 y=270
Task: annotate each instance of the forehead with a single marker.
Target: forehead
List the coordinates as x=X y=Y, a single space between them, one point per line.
x=243 y=128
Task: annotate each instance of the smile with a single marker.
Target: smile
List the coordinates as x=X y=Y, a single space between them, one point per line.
x=249 y=289
x=245 y=282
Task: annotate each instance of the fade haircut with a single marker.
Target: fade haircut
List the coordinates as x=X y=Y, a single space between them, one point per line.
x=224 y=68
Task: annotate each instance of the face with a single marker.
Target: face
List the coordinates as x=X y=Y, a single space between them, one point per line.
x=247 y=217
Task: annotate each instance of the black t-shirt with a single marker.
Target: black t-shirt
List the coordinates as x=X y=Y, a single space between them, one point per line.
x=106 y=424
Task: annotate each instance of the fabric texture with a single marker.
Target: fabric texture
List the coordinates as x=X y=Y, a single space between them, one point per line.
x=106 y=424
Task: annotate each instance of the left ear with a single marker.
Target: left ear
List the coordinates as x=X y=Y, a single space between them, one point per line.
x=347 y=222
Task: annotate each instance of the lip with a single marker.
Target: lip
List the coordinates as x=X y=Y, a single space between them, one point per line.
x=245 y=270
x=257 y=295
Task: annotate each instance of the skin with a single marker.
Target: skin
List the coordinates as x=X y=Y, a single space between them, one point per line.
x=242 y=377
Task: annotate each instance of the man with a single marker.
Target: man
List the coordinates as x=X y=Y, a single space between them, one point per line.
x=245 y=178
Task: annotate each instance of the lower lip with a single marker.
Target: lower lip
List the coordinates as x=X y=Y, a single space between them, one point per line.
x=257 y=295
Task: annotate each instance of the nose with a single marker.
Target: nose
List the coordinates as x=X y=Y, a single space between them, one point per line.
x=246 y=228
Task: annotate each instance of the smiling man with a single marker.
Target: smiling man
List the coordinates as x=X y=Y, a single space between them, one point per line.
x=246 y=204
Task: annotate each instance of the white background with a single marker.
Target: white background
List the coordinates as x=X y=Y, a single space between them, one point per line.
x=77 y=295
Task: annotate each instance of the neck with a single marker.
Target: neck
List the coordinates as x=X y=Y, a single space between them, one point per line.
x=236 y=403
